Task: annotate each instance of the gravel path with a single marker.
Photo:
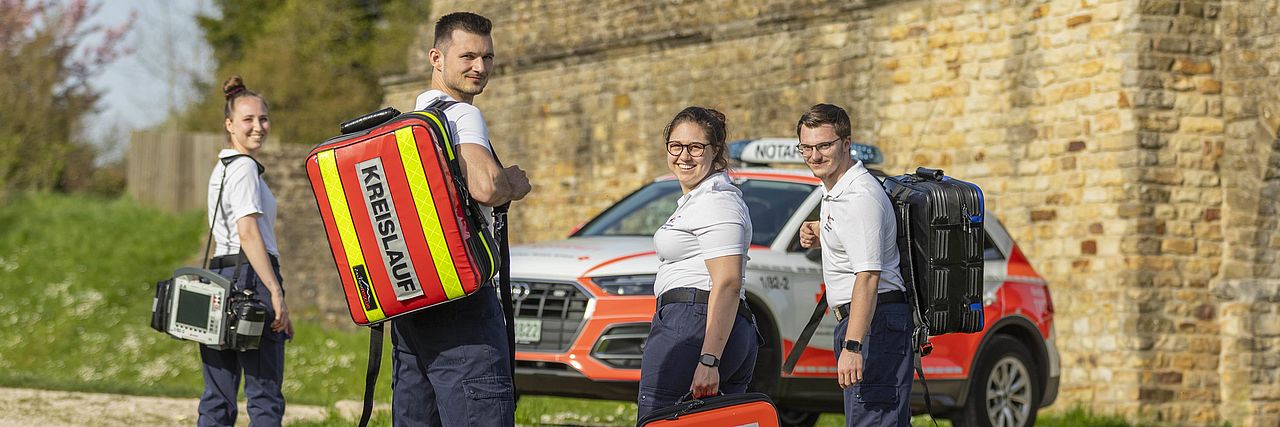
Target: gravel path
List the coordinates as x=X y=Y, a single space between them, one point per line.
x=26 y=407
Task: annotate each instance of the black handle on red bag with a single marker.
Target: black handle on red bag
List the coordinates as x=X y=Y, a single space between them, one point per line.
x=368 y=121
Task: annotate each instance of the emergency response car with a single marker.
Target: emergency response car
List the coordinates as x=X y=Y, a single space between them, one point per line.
x=583 y=306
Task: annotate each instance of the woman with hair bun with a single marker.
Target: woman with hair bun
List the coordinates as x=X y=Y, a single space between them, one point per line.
x=242 y=214
x=703 y=338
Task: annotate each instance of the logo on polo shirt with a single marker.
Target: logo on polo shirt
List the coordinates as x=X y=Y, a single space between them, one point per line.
x=382 y=212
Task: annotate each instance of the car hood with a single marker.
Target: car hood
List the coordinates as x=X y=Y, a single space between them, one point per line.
x=584 y=256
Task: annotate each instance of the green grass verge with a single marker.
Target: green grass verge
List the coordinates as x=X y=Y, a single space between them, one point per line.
x=77 y=276
x=542 y=410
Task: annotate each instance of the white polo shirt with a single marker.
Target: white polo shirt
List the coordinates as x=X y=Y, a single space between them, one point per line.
x=246 y=194
x=466 y=126
x=859 y=233
x=709 y=222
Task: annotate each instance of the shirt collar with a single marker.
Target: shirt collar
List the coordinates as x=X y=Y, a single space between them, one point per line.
x=846 y=180
x=713 y=182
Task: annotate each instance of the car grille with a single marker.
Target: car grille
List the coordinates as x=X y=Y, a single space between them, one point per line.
x=561 y=306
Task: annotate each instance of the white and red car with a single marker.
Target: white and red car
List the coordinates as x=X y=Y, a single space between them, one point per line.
x=583 y=307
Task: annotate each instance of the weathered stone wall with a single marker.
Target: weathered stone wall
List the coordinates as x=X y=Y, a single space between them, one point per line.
x=1173 y=72
x=1126 y=144
x=1246 y=291
x=306 y=262
x=1024 y=98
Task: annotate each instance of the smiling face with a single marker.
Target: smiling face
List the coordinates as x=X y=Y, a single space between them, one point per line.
x=248 y=125
x=826 y=153
x=689 y=169
x=462 y=64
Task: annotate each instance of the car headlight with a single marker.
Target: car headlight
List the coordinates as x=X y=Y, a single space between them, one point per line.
x=626 y=285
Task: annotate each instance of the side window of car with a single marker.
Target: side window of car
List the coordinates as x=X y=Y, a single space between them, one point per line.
x=990 y=252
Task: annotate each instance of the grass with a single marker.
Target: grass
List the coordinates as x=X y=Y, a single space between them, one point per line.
x=77 y=276
x=540 y=410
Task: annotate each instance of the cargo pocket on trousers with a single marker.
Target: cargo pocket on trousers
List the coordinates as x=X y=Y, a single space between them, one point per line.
x=489 y=400
x=876 y=395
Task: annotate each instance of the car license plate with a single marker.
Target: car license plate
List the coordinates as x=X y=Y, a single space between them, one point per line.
x=528 y=330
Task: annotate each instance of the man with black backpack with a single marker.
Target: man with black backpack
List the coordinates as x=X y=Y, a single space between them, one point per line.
x=452 y=363
x=857 y=232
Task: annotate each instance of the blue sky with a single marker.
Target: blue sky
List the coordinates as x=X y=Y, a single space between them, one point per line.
x=141 y=89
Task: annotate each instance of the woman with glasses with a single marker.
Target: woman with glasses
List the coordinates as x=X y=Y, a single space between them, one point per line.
x=703 y=337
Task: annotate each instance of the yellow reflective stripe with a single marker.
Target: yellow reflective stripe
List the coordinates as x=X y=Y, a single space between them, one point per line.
x=444 y=130
x=492 y=265
x=427 y=215
x=346 y=227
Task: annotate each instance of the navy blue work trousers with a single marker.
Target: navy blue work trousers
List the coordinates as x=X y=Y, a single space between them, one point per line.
x=262 y=369
x=452 y=365
x=671 y=354
x=883 y=398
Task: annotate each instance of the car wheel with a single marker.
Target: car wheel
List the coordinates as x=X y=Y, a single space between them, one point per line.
x=792 y=418
x=1005 y=388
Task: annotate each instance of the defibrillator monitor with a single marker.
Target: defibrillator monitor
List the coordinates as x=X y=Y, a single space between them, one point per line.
x=197 y=306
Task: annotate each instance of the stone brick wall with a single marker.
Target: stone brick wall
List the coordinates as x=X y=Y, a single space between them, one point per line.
x=1246 y=291
x=1126 y=144
x=305 y=259
x=1173 y=71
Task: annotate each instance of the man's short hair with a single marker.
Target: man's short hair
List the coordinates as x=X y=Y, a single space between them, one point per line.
x=826 y=114
x=465 y=21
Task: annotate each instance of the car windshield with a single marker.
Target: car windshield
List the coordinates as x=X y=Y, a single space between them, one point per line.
x=771 y=204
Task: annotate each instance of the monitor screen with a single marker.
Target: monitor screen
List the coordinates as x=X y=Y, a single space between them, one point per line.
x=193 y=309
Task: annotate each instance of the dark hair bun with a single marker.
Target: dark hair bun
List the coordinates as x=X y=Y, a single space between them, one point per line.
x=718 y=115
x=233 y=86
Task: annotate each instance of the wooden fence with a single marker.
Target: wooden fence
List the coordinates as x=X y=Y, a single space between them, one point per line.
x=170 y=169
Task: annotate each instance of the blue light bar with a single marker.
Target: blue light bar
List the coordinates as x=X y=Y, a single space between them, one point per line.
x=868 y=154
x=783 y=150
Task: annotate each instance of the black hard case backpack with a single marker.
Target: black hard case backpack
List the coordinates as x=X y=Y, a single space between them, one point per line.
x=940 y=239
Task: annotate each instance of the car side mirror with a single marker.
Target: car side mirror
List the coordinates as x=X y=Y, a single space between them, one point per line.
x=814 y=254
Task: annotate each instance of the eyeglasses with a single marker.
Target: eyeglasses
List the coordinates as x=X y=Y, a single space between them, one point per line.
x=824 y=147
x=695 y=149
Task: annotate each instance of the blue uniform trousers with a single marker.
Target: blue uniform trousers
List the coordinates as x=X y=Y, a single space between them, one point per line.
x=672 y=349
x=452 y=365
x=263 y=369
x=883 y=398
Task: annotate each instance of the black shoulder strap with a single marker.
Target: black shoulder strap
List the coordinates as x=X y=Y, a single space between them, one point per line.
x=819 y=311
x=920 y=345
x=371 y=375
x=440 y=104
x=504 y=280
x=226 y=163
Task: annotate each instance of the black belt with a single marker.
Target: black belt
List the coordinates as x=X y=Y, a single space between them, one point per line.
x=882 y=298
x=225 y=261
x=699 y=296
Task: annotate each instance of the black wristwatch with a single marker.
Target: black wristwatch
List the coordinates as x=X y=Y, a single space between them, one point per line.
x=853 y=346
x=709 y=360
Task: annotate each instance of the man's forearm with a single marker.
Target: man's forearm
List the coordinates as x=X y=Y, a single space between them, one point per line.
x=861 y=307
